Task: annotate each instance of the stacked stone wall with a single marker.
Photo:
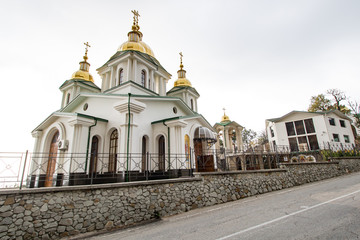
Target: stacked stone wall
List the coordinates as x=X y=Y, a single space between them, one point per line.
x=52 y=213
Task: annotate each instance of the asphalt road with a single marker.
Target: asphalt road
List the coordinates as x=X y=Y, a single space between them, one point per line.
x=328 y=209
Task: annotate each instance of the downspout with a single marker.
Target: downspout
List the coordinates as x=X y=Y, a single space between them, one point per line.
x=128 y=139
x=168 y=145
x=88 y=144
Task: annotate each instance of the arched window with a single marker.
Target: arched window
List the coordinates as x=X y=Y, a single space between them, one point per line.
x=121 y=76
x=68 y=98
x=143 y=78
x=192 y=104
x=113 y=151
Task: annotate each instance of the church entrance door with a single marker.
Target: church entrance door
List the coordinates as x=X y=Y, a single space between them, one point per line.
x=50 y=170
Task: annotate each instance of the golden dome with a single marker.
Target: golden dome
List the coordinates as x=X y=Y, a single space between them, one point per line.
x=139 y=46
x=83 y=75
x=182 y=81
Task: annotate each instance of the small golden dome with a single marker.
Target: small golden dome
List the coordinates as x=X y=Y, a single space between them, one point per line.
x=225 y=118
x=83 y=72
x=182 y=82
x=83 y=75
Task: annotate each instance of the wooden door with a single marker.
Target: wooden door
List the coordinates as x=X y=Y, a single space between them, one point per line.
x=50 y=170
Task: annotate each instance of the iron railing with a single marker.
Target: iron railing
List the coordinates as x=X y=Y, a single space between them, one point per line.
x=32 y=170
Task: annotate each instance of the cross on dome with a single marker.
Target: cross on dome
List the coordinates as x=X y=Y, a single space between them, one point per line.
x=136 y=17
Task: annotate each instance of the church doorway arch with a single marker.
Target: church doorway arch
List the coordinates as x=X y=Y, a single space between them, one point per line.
x=161 y=152
x=94 y=154
x=50 y=169
x=204 y=156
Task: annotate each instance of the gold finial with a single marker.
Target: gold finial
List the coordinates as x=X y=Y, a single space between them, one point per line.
x=181 y=65
x=86 y=50
x=225 y=118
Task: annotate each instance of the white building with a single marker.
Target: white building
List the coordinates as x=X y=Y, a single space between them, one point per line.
x=132 y=113
x=302 y=131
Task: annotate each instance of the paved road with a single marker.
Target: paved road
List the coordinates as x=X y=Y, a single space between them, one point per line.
x=328 y=209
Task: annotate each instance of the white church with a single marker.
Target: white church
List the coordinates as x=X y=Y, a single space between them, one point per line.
x=129 y=124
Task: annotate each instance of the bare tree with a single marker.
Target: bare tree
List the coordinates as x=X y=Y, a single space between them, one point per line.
x=338 y=96
x=355 y=108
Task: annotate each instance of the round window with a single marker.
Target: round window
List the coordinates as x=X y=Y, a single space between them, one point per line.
x=85 y=106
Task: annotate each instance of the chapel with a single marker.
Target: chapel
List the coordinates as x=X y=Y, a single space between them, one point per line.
x=129 y=127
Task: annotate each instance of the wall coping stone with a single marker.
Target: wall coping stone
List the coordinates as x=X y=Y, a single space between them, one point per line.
x=198 y=174
x=309 y=163
x=97 y=186
x=345 y=158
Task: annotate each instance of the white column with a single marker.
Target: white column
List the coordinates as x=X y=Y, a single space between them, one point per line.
x=239 y=138
x=128 y=75
x=135 y=70
x=151 y=80
x=161 y=86
x=227 y=143
x=111 y=84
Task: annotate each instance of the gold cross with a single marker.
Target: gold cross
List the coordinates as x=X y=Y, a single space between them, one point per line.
x=86 y=49
x=136 y=16
x=224 y=110
x=181 y=56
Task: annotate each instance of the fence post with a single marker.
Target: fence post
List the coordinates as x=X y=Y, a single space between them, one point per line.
x=22 y=176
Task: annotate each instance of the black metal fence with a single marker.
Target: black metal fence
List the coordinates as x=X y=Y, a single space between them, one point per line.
x=32 y=170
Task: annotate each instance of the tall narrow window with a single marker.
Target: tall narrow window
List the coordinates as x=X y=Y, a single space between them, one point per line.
x=161 y=151
x=192 y=104
x=68 y=98
x=113 y=151
x=94 y=154
x=143 y=155
x=149 y=83
x=121 y=76
x=143 y=78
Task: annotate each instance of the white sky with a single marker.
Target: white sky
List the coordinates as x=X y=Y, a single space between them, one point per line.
x=259 y=59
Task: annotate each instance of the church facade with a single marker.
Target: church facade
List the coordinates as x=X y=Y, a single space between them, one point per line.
x=130 y=123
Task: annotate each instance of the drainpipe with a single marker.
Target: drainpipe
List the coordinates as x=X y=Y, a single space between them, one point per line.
x=168 y=145
x=88 y=144
x=128 y=139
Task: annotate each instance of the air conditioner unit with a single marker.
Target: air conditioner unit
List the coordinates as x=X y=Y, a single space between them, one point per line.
x=63 y=144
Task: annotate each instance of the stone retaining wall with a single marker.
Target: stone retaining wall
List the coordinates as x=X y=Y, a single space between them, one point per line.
x=51 y=213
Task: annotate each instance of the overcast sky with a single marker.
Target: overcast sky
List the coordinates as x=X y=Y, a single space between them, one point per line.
x=258 y=59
